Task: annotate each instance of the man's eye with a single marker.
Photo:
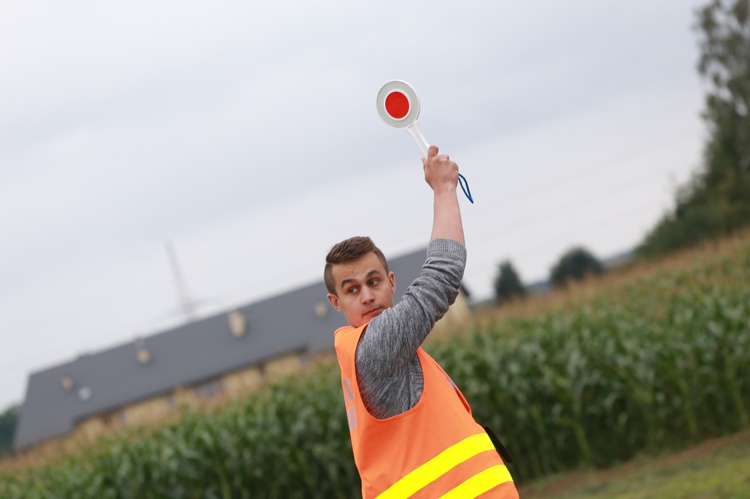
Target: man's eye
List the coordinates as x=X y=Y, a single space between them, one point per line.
x=352 y=290
x=374 y=282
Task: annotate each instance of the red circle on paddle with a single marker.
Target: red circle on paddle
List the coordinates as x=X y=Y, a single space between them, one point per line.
x=397 y=105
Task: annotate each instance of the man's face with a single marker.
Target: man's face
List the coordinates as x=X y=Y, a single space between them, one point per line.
x=363 y=289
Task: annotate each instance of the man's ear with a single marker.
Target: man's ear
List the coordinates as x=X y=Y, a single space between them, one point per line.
x=392 y=281
x=334 y=301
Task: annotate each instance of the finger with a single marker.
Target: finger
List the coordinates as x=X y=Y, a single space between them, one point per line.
x=432 y=152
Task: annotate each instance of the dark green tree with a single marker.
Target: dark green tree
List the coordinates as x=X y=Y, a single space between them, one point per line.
x=508 y=285
x=8 y=422
x=576 y=264
x=716 y=201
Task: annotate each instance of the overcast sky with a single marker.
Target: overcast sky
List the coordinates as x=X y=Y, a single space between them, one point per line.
x=246 y=134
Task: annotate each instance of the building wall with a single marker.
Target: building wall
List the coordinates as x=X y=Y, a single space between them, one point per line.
x=241 y=383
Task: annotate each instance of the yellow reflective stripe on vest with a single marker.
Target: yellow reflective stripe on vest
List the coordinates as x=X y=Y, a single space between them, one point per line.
x=480 y=483
x=439 y=465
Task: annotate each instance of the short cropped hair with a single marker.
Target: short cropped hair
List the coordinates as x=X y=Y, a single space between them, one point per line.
x=349 y=250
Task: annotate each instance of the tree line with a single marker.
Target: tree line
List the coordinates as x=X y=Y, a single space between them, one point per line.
x=8 y=421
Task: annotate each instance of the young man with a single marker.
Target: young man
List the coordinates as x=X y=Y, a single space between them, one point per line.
x=412 y=431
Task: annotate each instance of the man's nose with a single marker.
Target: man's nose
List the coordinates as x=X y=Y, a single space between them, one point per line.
x=367 y=295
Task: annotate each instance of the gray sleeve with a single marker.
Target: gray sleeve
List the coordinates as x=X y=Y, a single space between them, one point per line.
x=387 y=367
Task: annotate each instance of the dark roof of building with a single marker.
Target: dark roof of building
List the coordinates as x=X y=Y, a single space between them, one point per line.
x=300 y=321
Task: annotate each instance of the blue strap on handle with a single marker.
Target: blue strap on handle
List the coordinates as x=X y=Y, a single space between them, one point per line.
x=465 y=187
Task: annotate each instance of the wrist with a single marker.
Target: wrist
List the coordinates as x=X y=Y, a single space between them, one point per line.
x=444 y=190
x=445 y=185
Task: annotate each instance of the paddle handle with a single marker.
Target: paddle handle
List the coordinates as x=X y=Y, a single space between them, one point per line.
x=416 y=134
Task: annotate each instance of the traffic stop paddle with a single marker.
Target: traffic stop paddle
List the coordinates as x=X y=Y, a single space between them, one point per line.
x=398 y=106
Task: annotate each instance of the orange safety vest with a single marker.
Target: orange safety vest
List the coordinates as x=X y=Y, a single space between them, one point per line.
x=435 y=449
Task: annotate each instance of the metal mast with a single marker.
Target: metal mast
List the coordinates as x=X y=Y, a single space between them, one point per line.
x=182 y=291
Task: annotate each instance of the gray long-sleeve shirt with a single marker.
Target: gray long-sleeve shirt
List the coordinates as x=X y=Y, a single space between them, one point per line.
x=388 y=371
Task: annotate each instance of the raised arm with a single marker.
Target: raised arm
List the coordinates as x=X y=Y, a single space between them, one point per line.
x=390 y=376
x=442 y=176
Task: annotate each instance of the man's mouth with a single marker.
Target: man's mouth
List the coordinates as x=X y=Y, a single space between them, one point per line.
x=373 y=312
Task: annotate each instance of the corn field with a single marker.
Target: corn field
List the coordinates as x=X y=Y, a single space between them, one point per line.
x=652 y=365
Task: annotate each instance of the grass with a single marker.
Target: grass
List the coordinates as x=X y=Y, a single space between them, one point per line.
x=716 y=469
